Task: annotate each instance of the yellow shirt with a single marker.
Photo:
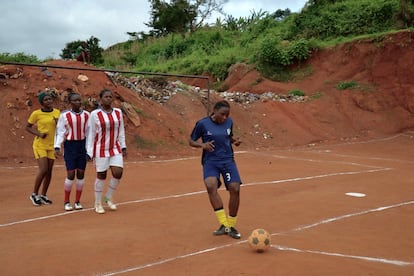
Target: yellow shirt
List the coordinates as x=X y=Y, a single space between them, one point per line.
x=46 y=123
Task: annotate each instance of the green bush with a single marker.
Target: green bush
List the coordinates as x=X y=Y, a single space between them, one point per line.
x=296 y=92
x=344 y=18
x=274 y=56
x=19 y=57
x=299 y=50
x=346 y=85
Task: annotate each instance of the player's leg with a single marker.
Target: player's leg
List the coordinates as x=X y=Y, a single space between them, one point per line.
x=70 y=163
x=216 y=202
x=211 y=176
x=48 y=177
x=80 y=182
x=116 y=165
x=41 y=158
x=80 y=175
x=67 y=188
x=102 y=165
x=232 y=181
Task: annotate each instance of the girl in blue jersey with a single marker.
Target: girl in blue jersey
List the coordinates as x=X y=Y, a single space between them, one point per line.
x=71 y=132
x=216 y=133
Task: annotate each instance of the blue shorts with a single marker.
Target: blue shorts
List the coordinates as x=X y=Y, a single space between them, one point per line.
x=75 y=155
x=227 y=169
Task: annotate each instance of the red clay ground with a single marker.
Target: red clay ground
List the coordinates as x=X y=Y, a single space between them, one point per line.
x=164 y=222
x=300 y=160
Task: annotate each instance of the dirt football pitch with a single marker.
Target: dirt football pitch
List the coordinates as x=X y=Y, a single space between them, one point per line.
x=338 y=209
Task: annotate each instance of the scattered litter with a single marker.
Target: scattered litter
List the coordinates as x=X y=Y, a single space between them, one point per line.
x=47 y=72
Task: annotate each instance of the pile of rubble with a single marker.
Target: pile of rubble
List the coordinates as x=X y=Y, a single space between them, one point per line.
x=159 y=89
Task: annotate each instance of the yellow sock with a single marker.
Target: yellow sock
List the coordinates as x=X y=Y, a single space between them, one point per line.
x=221 y=217
x=232 y=221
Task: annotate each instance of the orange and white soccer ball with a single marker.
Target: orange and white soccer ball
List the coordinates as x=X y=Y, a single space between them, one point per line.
x=259 y=240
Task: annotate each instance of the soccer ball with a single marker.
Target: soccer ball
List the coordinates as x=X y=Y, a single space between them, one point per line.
x=259 y=240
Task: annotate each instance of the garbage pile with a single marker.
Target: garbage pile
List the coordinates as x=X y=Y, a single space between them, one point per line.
x=159 y=89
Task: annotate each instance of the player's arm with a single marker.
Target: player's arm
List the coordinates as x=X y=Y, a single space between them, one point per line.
x=90 y=136
x=35 y=132
x=196 y=135
x=234 y=141
x=121 y=136
x=60 y=134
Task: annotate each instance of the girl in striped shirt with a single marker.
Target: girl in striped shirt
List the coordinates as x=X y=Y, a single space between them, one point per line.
x=106 y=144
x=71 y=131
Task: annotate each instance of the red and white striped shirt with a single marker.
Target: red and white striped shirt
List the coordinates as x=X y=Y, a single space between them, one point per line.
x=71 y=126
x=106 y=133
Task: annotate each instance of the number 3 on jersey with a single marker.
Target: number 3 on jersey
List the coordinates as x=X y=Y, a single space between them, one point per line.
x=228 y=177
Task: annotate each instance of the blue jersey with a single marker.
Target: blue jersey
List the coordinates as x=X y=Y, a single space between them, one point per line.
x=208 y=130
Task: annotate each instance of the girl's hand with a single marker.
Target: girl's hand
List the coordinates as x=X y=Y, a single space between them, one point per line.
x=208 y=146
x=237 y=142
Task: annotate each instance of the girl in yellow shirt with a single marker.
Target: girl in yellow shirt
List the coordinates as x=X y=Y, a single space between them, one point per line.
x=45 y=120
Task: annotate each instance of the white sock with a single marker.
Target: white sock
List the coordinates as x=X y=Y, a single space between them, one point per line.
x=68 y=185
x=79 y=184
x=99 y=183
x=113 y=184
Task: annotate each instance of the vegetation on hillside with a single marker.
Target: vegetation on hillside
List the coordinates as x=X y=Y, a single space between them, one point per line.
x=270 y=41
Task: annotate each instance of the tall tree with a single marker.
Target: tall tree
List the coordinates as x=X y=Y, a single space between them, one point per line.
x=406 y=13
x=181 y=16
x=93 y=45
x=204 y=9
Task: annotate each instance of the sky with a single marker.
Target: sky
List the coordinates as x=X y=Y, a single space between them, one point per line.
x=44 y=27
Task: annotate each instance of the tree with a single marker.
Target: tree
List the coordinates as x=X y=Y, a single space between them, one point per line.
x=181 y=16
x=406 y=13
x=93 y=45
x=204 y=9
x=281 y=14
x=173 y=17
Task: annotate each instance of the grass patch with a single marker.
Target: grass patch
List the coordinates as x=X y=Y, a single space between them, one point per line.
x=316 y=96
x=353 y=85
x=346 y=85
x=143 y=143
x=296 y=92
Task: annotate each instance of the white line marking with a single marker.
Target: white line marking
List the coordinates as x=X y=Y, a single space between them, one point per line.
x=43 y=218
x=169 y=259
x=200 y=192
x=330 y=153
x=364 y=258
x=315 y=177
x=323 y=161
x=329 y=220
x=406 y=134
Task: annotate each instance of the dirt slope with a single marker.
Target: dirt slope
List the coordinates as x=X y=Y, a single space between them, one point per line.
x=382 y=104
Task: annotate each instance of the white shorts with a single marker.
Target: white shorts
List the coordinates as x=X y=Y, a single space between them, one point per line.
x=103 y=163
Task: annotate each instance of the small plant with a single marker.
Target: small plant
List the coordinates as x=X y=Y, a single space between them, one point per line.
x=296 y=92
x=138 y=110
x=316 y=96
x=257 y=81
x=346 y=85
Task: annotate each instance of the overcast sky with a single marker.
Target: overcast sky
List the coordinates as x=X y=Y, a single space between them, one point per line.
x=43 y=27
